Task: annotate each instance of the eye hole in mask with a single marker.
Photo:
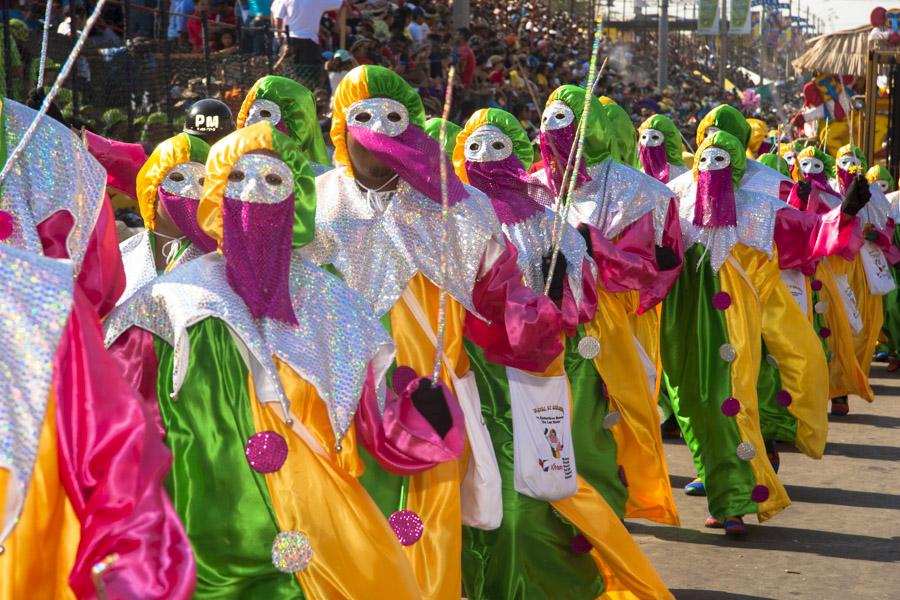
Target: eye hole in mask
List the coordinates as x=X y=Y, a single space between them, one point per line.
x=382 y=115
x=714 y=159
x=651 y=138
x=556 y=116
x=811 y=166
x=847 y=161
x=488 y=144
x=185 y=180
x=260 y=178
x=264 y=110
x=883 y=185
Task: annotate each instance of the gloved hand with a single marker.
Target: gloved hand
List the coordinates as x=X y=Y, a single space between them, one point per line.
x=586 y=234
x=558 y=278
x=666 y=259
x=803 y=190
x=857 y=196
x=429 y=400
x=870 y=234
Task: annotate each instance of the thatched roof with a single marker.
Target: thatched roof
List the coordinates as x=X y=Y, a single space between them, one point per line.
x=841 y=52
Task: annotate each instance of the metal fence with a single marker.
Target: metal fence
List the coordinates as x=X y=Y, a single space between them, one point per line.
x=140 y=89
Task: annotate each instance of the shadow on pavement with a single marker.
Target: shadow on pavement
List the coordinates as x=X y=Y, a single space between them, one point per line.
x=866 y=419
x=839 y=497
x=713 y=595
x=785 y=539
x=863 y=451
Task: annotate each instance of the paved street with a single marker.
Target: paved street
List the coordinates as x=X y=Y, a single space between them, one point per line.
x=840 y=539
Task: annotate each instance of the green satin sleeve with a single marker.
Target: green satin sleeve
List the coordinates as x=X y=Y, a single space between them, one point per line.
x=891 y=308
x=776 y=422
x=692 y=332
x=595 y=446
x=528 y=556
x=223 y=503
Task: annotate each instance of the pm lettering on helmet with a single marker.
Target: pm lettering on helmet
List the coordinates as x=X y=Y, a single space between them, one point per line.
x=206 y=123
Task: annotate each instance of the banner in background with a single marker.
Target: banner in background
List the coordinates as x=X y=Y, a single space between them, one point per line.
x=708 y=17
x=740 y=17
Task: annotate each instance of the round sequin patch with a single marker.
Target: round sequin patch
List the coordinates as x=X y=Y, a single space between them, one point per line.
x=721 y=300
x=6 y=225
x=783 y=397
x=824 y=332
x=588 y=347
x=820 y=307
x=772 y=360
x=580 y=545
x=816 y=285
x=407 y=526
x=731 y=407
x=760 y=493
x=612 y=419
x=745 y=451
x=622 y=476
x=266 y=451
x=727 y=352
x=291 y=552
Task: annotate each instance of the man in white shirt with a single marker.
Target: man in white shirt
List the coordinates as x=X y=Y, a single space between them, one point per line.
x=418 y=29
x=302 y=18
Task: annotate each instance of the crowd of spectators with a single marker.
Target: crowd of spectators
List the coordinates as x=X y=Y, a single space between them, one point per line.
x=511 y=55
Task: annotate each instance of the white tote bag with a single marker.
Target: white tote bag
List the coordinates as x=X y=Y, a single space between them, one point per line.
x=481 y=496
x=848 y=299
x=796 y=283
x=878 y=273
x=542 y=436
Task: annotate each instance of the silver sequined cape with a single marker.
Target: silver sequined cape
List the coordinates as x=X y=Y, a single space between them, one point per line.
x=335 y=341
x=35 y=302
x=140 y=264
x=378 y=248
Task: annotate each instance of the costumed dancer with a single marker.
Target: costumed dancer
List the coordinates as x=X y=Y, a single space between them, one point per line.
x=168 y=189
x=713 y=322
x=267 y=371
x=384 y=201
x=870 y=275
x=536 y=551
x=291 y=108
x=758 y=132
x=636 y=242
x=84 y=478
x=777 y=163
x=659 y=149
x=880 y=176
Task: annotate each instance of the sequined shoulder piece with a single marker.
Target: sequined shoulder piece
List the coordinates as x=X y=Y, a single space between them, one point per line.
x=379 y=248
x=676 y=171
x=533 y=239
x=55 y=173
x=338 y=336
x=35 y=302
x=137 y=259
x=683 y=184
x=760 y=179
x=169 y=305
x=615 y=197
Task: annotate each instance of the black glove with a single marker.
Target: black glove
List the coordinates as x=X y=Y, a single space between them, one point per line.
x=666 y=259
x=857 y=196
x=559 y=275
x=429 y=400
x=870 y=234
x=803 y=190
x=586 y=234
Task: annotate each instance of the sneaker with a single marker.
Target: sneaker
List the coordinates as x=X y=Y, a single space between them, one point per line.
x=840 y=407
x=772 y=454
x=893 y=364
x=880 y=356
x=734 y=526
x=713 y=523
x=695 y=488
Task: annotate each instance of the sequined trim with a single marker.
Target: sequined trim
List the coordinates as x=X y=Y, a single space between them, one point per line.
x=650 y=138
x=378 y=243
x=381 y=115
x=56 y=173
x=331 y=347
x=557 y=115
x=488 y=144
x=185 y=180
x=260 y=105
x=713 y=159
x=35 y=302
x=139 y=264
x=259 y=178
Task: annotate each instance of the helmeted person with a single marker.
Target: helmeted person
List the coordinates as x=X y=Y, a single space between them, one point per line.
x=209 y=119
x=533 y=543
x=384 y=200
x=659 y=148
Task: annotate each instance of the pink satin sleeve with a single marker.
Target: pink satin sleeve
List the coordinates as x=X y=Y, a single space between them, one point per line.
x=135 y=355
x=102 y=276
x=122 y=161
x=804 y=237
x=575 y=313
x=629 y=262
x=401 y=439
x=522 y=328
x=785 y=189
x=112 y=465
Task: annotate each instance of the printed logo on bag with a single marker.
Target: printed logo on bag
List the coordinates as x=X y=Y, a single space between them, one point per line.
x=551 y=418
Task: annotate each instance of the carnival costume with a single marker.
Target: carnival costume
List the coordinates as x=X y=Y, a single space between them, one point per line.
x=659 y=149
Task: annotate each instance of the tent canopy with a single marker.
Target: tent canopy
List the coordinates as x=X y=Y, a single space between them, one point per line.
x=841 y=53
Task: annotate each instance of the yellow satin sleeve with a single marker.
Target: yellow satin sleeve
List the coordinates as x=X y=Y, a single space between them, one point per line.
x=845 y=375
x=790 y=338
x=871 y=309
x=638 y=439
x=435 y=494
x=40 y=552
x=646 y=329
x=313 y=495
x=743 y=277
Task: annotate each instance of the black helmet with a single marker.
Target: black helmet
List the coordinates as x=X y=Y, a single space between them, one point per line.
x=209 y=119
